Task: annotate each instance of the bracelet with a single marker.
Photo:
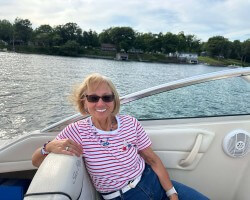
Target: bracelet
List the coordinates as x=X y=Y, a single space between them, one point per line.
x=171 y=191
x=43 y=151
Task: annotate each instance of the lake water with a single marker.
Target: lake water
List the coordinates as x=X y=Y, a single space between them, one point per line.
x=34 y=88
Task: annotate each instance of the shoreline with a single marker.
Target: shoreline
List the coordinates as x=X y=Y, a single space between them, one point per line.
x=152 y=58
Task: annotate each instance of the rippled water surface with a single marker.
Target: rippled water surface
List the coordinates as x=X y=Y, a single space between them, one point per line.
x=34 y=88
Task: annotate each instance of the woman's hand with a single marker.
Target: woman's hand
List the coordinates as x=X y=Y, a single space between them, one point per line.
x=64 y=146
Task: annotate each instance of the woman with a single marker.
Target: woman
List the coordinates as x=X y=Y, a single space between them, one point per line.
x=115 y=147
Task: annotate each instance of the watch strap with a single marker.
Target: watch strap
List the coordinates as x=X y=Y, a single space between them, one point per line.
x=171 y=191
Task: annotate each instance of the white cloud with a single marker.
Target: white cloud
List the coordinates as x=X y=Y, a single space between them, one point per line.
x=203 y=18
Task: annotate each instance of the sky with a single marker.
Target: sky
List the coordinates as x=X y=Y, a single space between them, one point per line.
x=202 y=18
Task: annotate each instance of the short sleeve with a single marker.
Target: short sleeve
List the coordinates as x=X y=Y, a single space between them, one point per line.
x=70 y=132
x=143 y=141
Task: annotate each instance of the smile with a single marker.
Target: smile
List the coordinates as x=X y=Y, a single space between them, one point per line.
x=101 y=110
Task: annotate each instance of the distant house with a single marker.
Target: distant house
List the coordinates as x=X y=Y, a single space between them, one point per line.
x=204 y=53
x=121 y=56
x=3 y=43
x=17 y=42
x=171 y=55
x=191 y=58
x=133 y=50
x=108 y=47
x=4 y=49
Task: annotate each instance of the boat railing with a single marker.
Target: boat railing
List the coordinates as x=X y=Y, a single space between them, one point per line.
x=236 y=72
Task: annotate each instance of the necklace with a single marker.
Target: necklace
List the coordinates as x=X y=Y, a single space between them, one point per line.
x=111 y=125
x=105 y=141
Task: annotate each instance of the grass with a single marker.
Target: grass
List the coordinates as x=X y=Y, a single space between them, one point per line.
x=221 y=61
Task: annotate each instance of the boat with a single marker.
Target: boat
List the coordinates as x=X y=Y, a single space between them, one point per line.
x=199 y=126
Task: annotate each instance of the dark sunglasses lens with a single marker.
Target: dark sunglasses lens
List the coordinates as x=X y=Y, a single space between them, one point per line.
x=93 y=98
x=108 y=98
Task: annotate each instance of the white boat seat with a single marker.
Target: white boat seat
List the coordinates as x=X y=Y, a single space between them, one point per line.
x=61 y=177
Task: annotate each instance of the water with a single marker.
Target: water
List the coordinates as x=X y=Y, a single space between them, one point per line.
x=34 y=88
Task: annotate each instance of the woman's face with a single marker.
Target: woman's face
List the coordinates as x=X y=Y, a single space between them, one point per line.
x=100 y=110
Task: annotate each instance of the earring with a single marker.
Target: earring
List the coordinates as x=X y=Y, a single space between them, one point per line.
x=86 y=110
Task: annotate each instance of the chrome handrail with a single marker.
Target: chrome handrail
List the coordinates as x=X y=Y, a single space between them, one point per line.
x=159 y=89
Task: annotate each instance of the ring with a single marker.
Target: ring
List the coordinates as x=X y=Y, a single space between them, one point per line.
x=67 y=148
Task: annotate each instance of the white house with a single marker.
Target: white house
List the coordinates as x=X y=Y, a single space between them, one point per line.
x=121 y=56
x=188 y=57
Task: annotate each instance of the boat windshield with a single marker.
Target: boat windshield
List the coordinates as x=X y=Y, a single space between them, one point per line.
x=225 y=97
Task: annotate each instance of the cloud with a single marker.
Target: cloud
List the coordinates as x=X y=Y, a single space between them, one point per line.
x=203 y=18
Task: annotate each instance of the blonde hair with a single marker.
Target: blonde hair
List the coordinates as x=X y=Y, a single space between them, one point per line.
x=91 y=82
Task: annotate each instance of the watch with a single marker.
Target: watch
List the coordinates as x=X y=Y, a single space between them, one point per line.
x=43 y=151
x=171 y=191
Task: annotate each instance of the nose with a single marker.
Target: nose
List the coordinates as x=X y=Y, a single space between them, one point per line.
x=100 y=102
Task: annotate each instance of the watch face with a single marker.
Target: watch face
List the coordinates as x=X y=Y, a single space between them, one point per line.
x=43 y=152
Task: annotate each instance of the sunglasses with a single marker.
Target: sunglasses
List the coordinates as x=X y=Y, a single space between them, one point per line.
x=105 y=98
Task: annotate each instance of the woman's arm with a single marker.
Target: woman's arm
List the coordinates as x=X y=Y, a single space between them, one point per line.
x=155 y=162
x=57 y=146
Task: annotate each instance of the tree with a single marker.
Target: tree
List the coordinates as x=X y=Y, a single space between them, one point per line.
x=104 y=37
x=44 y=29
x=146 y=40
x=246 y=51
x=139 y=42
x=69 y=31
x=170 y=42
x=6 y=30
x=70 y=48
x=236 y=50
x=43 y=35
x=193 y=44
x=121 y=37
x=90 y=39
x=218 y=46
x=156 y=42
x=22 y=30
x=182 y=45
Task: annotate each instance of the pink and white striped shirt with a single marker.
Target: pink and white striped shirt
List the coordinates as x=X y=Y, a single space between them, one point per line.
x=111 y=157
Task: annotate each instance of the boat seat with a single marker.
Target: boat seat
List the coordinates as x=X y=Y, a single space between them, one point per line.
x=61 y=177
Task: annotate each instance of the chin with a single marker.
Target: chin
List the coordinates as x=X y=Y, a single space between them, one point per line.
x=102 y=115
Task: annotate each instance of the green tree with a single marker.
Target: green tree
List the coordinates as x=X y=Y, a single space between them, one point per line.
x=70 y=48
x=218 y=46
x=170 y=42
x=147 y=40
x=6 y=30
x=90 y=39
x=182 y=44
x=193 y=44
x=121 y=37
x=236 y=50
x=22 y=30
x=139 y=42
x=156 y=42
x=69 y=31
x=43 y=35
x=104 y=37
x=246 y=51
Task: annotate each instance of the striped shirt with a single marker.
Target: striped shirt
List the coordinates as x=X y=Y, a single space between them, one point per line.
x=111 y=157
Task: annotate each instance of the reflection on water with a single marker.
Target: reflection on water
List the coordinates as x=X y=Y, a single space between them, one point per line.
x=34 y=88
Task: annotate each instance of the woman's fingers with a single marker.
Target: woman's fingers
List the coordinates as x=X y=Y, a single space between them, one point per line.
x=65 y=146
x=74 y=148
x=76 y=145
